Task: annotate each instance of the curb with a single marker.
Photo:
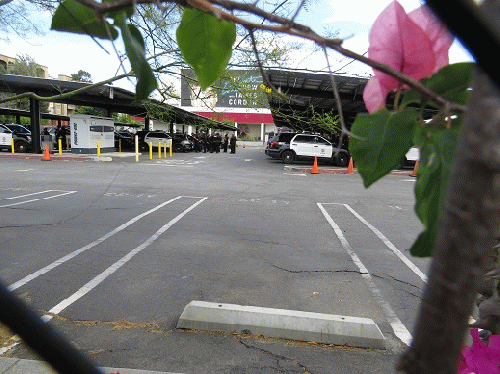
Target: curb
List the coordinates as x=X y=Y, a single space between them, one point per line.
x=281 y=323
x=17 y=366
x=26 y=156
x=56 y=157
x=338 y=170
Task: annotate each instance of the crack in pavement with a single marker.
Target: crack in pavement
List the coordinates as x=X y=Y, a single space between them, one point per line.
x=278 y=358
x=388 y=278
x=399 y=280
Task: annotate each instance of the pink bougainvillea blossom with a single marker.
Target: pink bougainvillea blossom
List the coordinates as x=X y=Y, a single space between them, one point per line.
x=416 y=45
x=481 y=358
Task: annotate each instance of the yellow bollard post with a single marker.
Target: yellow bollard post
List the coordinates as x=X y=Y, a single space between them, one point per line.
x=59 y=145
x=12 y=145
x=98 y=149
x=150 y=150
x=165 y=149
x=119 y=145
x=136 y=148
x=159 y=149
x=170 y=147
x=67 y=143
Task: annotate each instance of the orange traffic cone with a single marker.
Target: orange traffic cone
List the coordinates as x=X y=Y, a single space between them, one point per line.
x=315 y=170
x=414 y=174
x=350 y=168
x=46 y=154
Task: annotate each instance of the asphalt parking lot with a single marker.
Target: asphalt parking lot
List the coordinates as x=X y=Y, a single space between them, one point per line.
x=135 y=242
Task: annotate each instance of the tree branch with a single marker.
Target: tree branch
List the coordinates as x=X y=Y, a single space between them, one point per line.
x=284 y=26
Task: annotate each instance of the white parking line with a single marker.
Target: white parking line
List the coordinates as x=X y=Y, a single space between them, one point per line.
x=69 y=256
x=62 y=194
x=29 y=194
x=389 y=244
x=21 y=202
x=398 y=327
x=110 y=270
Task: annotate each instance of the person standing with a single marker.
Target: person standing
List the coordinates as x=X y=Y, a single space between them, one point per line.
x=232 y=144
x=226 y=142
x=217 y=142
x=204 y=142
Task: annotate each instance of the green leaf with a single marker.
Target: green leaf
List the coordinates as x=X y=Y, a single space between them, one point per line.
x=75 y=17
x=134 y=46
x=452 y=82
x=206 y=44
x=436 y=158
x=384 y=139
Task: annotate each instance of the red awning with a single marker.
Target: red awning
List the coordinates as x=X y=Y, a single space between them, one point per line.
x=239 y=117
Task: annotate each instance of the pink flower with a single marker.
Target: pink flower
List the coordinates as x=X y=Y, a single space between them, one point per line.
x=414 y=44
x=481 y=358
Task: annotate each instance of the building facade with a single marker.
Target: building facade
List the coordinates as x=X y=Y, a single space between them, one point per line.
x=236 y=98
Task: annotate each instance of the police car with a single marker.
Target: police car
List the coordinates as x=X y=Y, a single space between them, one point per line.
x=20 y=144
x=308 y=146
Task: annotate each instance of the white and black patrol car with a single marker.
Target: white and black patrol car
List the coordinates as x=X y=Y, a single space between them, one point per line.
x=307 y=146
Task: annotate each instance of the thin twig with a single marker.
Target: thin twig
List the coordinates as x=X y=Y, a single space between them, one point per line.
x=279 y=25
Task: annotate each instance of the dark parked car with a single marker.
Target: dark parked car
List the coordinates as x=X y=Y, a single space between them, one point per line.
x=181 y=143
x=127 y=140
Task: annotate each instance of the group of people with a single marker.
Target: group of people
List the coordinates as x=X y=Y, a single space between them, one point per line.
x=204 y=142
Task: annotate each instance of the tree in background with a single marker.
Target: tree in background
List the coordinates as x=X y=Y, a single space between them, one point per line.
x=27 y=66
x=82 y=76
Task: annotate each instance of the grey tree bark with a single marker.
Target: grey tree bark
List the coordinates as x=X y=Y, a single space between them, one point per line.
x=470 y=222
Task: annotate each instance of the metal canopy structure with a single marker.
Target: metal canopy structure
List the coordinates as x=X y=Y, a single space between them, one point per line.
x=110 y=98
x=312 y=93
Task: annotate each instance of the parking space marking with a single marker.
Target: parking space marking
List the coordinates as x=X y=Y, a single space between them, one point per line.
x=19 y=203
x=398 y=327
x=75 y=253
x=61 y=194
x=389 y=244
x=118 y=264
x=29 y=194
x=36 y=193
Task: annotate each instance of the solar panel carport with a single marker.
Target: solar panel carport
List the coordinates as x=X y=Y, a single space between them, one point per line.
x=111 y=99
x=310 y=92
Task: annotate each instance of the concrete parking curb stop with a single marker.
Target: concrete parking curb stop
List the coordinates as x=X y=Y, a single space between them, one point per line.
x=281 y=323
x=16 y=366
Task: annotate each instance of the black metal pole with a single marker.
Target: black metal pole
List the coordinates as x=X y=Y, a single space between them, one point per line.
x=42 y=336
x=36 y=119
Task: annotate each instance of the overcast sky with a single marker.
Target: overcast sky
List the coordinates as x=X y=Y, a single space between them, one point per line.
x=65 y=53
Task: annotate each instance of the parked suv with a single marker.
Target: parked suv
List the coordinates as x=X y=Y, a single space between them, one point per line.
x=180 y=143
x=145 y=137
x=20 y=144
x=307 y=146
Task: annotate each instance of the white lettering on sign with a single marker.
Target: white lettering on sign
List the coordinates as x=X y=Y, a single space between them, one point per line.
x=75 y=133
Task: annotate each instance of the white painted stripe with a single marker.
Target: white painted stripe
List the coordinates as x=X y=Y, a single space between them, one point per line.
x=389 y=244
x=398 y=327
x=30 y=194
x=69 y=256
x=62 y=194
x=22 y=202
x=110 y=270
x=7 y=348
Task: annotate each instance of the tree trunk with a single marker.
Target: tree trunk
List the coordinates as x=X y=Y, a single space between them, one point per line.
x=469 y=224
